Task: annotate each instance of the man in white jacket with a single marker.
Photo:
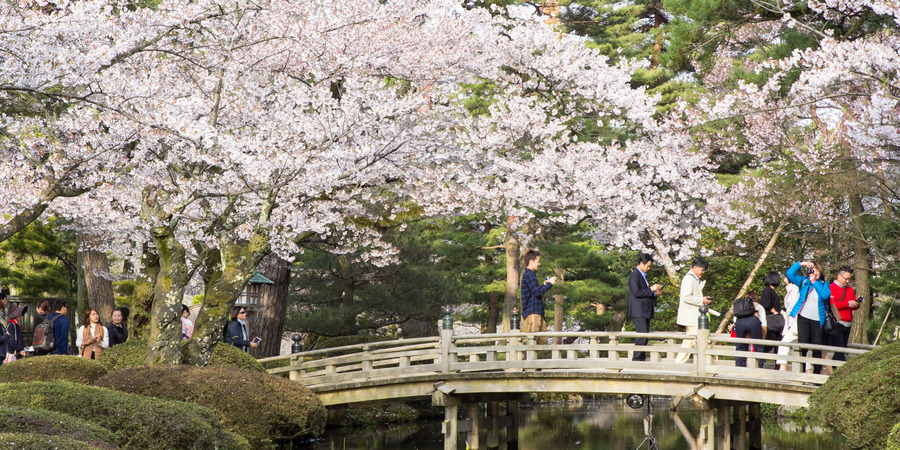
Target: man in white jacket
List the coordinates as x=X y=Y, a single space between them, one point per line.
x=689 y=304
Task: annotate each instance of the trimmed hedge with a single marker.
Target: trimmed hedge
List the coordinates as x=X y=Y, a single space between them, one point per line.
x=137 y=421
x=37 y=441
x=258 y=406
x=44 y=422
x=893 y=440
x=52 y=368
x=862 y=398
x=133 y=354
x=229 y=356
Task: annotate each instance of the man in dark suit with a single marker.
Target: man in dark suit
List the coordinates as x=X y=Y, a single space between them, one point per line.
x=641 y=299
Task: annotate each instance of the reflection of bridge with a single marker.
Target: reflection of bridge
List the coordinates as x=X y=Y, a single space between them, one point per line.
x=455 y=370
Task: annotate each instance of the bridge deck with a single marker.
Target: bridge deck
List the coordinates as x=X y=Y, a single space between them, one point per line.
x=511 y=363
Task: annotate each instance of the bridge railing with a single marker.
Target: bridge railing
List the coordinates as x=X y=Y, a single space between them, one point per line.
x=713 y=355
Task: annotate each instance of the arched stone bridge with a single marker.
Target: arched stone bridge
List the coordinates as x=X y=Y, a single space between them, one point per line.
x=485 y=366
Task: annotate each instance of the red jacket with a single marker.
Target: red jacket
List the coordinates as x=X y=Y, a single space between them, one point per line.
x=843 y=305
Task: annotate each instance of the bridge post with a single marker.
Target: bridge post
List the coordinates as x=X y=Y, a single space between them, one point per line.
x=702 y=346
x=450 y=426
x=723 y=428
x=493 y=435
x=512 y=431
x=754 y=425
x=446 y=340
x=702 y=340
x=472 y=438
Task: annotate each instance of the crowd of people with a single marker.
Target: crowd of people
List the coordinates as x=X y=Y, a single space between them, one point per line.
x=799 y=317
x=807 y=302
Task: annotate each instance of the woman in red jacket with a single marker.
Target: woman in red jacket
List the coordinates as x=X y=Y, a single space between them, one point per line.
x=844 y=299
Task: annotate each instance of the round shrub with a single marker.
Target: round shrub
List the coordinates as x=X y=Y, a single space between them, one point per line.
x=52 y=368
x=862 y=398
x=257 y=405
x=44 y=422
x=37 y=441
x=225 y=355
x=137 y=421
x=124 y=356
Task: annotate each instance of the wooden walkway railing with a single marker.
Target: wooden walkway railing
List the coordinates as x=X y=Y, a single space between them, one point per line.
x=712 y=356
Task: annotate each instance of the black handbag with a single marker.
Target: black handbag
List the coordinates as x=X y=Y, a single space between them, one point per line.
x=775 y=323
x=830 y=325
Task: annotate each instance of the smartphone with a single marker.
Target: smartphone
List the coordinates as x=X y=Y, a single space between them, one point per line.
x=257 y=340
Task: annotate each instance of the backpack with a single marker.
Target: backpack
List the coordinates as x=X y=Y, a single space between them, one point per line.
x=43 y=335
x=743 y=307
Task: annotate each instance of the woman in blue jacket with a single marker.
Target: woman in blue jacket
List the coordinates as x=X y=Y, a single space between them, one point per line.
x=809 y=310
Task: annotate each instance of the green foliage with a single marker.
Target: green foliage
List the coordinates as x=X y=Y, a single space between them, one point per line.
x=257 y=405
x=124 y=356
x=137 y=421
x=53 y=368
x=39 y=260
x=229 y=356
x=49 y=423
x=342 y=294
x=893 y=440
x=862 y=398
x=38 y=441
x=372 y=415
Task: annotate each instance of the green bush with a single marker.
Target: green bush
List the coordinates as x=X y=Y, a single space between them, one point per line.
x=133 y=354
x=862 y=398
x=893 y=440
x=372 y=415
x=37 y=441
x=124 y=356
x=256 y=405
x=52 y=368
x=137 y=421
x=41 y=421
x=225 y=355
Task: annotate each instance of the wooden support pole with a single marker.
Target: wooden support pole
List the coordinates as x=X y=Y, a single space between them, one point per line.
x=723 y=428
x=754 y=426
x=446 y=340
x=739 y=431
x=702 y=346
x=707 y=440
x=451 y=411
x=493 y=435
x=512 y=432
x=472 y=440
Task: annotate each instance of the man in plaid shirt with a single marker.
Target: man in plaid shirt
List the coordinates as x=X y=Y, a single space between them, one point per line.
x=532 y=292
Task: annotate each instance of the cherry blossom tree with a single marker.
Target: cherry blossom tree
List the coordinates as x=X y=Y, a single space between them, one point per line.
x=234 y=129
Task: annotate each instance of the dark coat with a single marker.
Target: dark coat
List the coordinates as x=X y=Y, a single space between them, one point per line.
x=60 y=334
x=117 y=334
x=234 y=336
x=15 y=343
x=640 y=298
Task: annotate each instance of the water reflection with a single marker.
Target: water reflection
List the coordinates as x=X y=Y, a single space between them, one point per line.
x=600 y=425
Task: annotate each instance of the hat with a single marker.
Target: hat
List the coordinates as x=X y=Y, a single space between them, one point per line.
x=16 y=311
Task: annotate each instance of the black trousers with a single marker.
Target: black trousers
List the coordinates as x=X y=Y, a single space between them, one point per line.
x=747 y=327
x=839 y=339
x=810 y=332
x=641 y=325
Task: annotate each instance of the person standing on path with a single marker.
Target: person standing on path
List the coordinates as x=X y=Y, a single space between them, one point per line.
x=810 y=307
x=843 y=297
x=532 y=296
x=60 y=328
x=641 y=301
x=236 y=330
x=689 y=302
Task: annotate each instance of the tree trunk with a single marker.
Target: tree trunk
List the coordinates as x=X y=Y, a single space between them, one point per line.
x=142 y=302
x=726 y=317
x=860 y=272
x=96 y=266
x=662 y=250
x=168 y=294
x=238 y=260
x=80 y=300
x=510 y=299
x=558 y=300
x=268 y=323
x=493 y=313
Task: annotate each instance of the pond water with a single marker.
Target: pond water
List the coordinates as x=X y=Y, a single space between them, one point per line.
x=591 y=425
